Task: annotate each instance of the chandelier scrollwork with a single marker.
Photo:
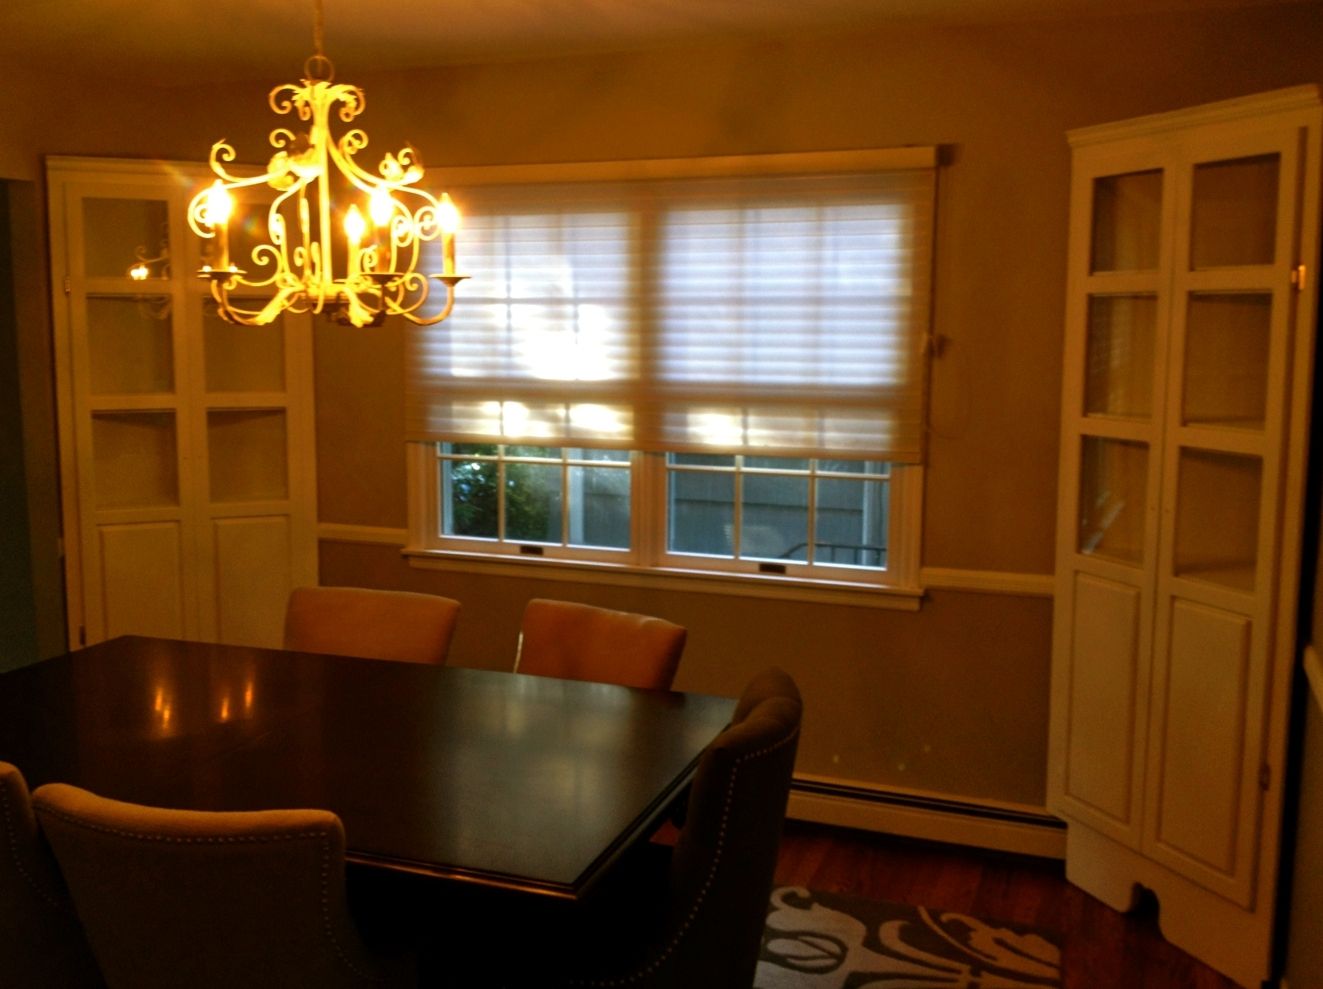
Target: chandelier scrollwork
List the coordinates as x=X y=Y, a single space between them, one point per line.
x=321 y=253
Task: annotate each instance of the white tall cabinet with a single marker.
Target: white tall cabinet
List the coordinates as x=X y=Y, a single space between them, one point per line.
x=186 y=442
x=1188 y=371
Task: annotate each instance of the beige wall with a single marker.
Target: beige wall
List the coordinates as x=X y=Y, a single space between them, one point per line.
x=953 y=698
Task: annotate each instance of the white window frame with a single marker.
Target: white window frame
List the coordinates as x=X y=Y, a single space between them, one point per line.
x=646 y=562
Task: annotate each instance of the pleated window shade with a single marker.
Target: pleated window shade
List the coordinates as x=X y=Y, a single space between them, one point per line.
x=777 y=315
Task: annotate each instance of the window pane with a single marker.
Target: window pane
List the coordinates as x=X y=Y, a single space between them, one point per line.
x=851 y=527
x=775 y=522
x=550 y=452
x=469 y=449
x=878 y=467
x=469 y=498
x=582 y=453
x=701 y=459
x=777 y=463
x=599 y=507
x=702 y=512
x=532 y=502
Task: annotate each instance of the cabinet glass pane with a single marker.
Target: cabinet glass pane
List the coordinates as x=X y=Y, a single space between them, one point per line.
x=1127 y=221
x=248 y=454
x=1119 y=375
x=1234 y=212
x=243 y=358
x=121 y=234
x=1113 y=493
x=129 y=345
x=1217 y=518
x=133 y=459
x=1226 y=359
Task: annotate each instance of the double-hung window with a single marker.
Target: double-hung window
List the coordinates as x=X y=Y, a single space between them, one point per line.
x=710 y=367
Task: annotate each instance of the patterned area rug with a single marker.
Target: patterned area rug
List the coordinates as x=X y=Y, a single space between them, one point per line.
x=819 y=940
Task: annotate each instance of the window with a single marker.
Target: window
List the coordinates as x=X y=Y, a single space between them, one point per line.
x=690 y=373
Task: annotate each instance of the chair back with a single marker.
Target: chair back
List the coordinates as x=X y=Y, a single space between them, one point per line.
x=208 y=899
x=42 y=945
x=359 y=621
x=581 y=642
x=725 y=858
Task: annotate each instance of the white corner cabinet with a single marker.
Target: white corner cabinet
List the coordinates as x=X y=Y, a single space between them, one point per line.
x=1189 y=349
x=186 y=456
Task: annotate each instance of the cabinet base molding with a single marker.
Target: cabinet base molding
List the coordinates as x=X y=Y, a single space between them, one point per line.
x=1236 y=942
x=982 y=824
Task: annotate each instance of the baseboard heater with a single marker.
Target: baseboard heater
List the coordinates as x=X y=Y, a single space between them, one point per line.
x=946 y=819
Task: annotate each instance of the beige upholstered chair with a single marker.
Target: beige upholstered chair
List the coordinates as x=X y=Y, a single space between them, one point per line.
x=42 y=945
x=696 y=919
x=173 y=898
x=580 y=642
x=358 y=621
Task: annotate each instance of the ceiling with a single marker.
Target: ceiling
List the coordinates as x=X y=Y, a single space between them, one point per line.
x=184 y=41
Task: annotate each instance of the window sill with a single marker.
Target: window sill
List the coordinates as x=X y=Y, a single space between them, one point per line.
x=671 y=579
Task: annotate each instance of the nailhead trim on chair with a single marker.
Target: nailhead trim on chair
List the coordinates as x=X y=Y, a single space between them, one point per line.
x=674 y=943
x=12 y=840
x=322 y=836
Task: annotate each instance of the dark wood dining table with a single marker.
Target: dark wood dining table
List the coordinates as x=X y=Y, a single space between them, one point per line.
x=518 y=782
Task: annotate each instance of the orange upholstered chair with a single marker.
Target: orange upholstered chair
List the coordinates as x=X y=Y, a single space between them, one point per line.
x=357 y=621
x=42 y=945
x=580 y=642
x=202 y=899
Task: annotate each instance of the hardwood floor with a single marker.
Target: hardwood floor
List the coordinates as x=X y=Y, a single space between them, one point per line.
x=1101 y=949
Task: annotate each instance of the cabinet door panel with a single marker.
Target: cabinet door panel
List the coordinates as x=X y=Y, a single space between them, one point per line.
x=142 y=574
x=1104 y=665
x=1203 y=745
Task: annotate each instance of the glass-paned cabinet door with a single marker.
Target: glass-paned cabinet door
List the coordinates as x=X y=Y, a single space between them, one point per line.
x=1127 y=222
x=126 y=238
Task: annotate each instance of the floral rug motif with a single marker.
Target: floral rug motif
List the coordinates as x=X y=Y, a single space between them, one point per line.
x=816 y=940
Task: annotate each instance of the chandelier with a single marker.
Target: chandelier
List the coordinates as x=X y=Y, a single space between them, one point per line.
x=337 y=238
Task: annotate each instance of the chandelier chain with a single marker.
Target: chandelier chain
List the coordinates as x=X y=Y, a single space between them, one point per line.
x=318 y=29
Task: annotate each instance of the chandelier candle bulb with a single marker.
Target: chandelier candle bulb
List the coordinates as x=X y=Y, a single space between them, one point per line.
x=381 y=207
x=449 y=219
x=219 y=205
x=355 y=227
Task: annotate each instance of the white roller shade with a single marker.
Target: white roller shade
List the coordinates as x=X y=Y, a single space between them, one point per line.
x=771 y=315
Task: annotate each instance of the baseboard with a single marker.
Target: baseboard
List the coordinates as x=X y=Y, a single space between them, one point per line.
x=982 y=824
